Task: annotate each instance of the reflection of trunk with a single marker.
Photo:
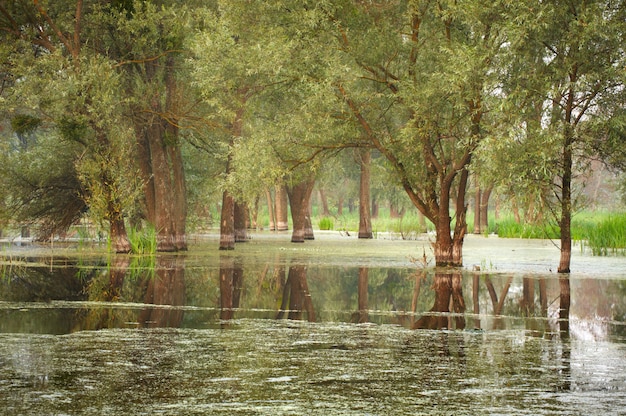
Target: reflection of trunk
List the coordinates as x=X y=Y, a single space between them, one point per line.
x=564 y=305
x=166 y=288
x=282 y=213
x=528 y=298
x=299 y=196
x=231 y=280
x=475 y=299
x=362 y=315
x=365 y=218
x=448 y=292
x=297 y=290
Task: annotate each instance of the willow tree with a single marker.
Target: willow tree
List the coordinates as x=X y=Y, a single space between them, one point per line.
x=147 y=43
x=75 y=92
x=416 y=78
x=574 y=81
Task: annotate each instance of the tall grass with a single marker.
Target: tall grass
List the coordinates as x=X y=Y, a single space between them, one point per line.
x=143 y=241
x=608 y=236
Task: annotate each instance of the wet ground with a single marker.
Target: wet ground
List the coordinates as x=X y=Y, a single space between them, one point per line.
x=331 y=326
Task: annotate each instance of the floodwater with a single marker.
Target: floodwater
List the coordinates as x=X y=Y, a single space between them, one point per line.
x=335 y=326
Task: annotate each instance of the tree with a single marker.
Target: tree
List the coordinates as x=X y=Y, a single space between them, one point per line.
x=419 y=89
x=74 y=91
x=577 y=61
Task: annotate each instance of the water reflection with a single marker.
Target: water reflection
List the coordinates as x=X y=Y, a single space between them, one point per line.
x=123 y=293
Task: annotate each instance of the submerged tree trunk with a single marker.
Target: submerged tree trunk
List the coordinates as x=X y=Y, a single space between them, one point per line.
x=227 y=222
x=299 y=196
x=240 y=214
x=365 y=216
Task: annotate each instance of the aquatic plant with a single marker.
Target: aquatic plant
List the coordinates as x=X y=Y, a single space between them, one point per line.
x=143 y=240
x=326 y=223
x=608 y=236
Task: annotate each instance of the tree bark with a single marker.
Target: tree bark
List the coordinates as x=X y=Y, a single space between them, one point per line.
x=282 y=212
x=484 y=209
x=270 y=210
x=227 y=222
x=299 y=196
x=324 y=201
x=477 y=211
x=240 y=213
x=365 y=216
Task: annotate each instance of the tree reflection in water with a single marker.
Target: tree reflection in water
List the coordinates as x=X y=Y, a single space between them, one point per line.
x=296 y=294
x=166 y=288
x=448 y=298
x=448 y=310
x=231 y=282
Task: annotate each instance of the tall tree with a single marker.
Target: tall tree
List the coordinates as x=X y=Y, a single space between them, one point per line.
x=419 y=89
x=578 y=63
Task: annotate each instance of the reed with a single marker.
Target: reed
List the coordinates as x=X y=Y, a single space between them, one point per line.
x=608 y=236
x=142 y=241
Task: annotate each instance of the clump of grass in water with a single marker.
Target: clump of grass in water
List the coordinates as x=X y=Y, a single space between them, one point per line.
x=326 y=223
x=143 y=241
x=608 y=236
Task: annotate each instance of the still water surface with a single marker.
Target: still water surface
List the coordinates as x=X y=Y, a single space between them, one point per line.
x=332 y=326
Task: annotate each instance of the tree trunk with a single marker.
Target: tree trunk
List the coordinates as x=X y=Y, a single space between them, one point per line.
x=161 y=164
x=566 y=205
x=308 y=222
x=299 y=196
x=365 y=217
x=270 y=210
x=282 y=212
x=118 y=236
x=484 y=209
x=240 y=213
x=477 y=211
x=324 y=201
x=227 y=222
